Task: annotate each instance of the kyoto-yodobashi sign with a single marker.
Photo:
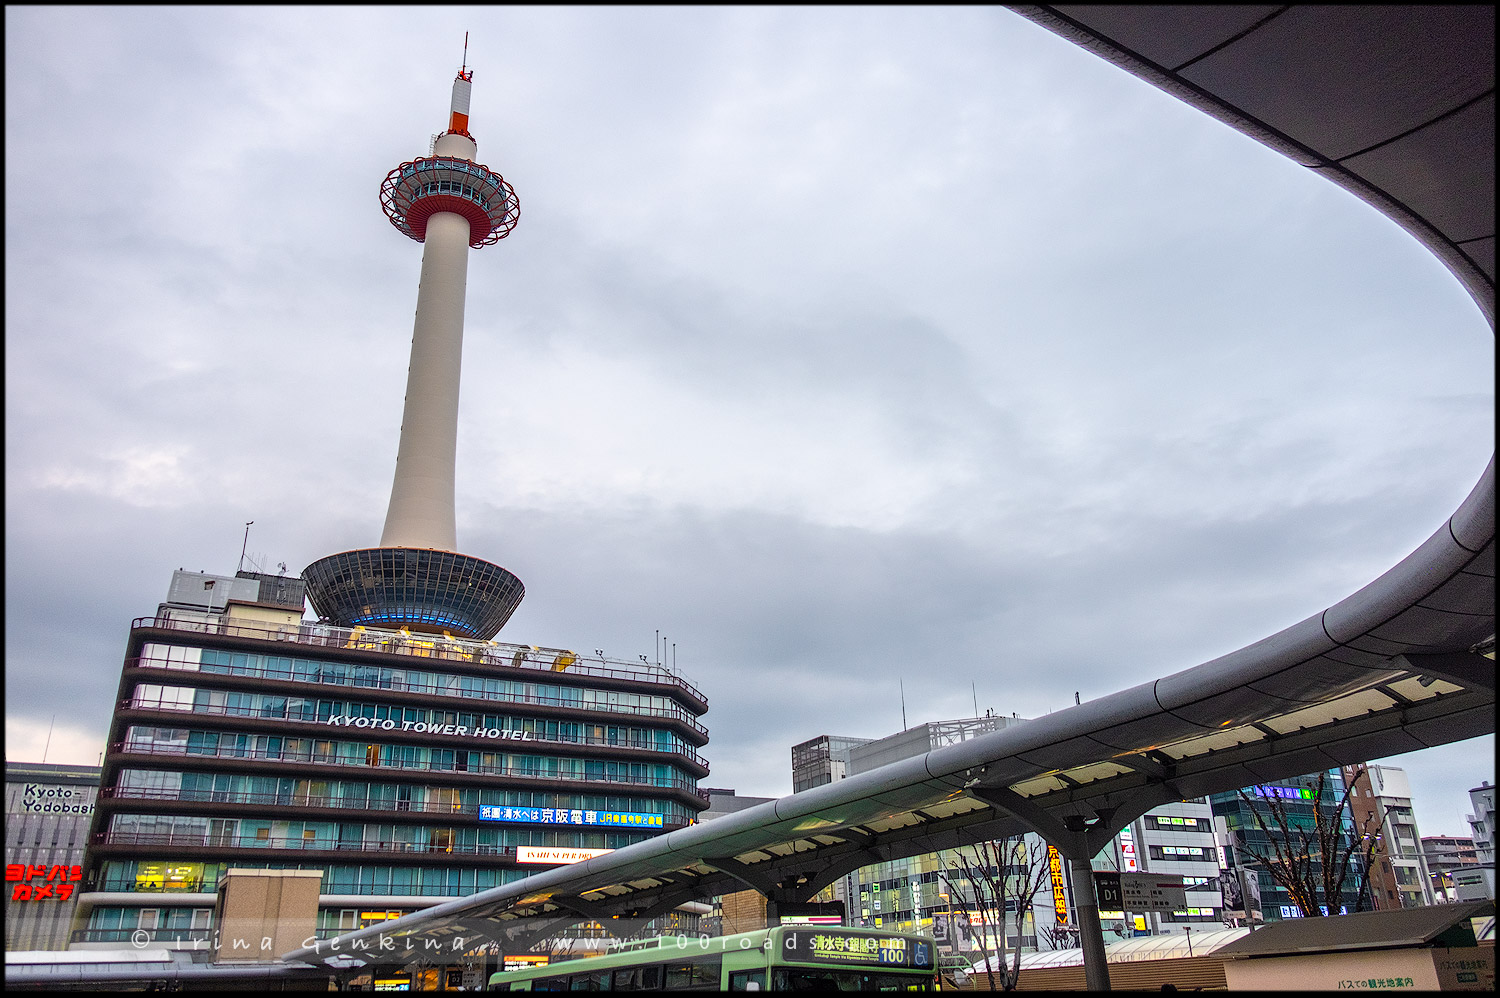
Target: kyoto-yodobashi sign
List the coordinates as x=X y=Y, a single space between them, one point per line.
x=48 y=798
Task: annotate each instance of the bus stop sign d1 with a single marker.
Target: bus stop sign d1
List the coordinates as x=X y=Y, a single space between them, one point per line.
x=1152 y=892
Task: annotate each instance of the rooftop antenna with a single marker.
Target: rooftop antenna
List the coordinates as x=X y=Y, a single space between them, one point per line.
x=902 y=684
x=974 y=691
x=244 y=545
x=466 y=55
x=48 y=746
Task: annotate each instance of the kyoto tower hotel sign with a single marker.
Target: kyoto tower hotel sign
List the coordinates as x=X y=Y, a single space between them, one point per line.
x=416 y=578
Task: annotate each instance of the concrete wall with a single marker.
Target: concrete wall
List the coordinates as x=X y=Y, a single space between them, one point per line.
x=1467 y=969
x=264 y=913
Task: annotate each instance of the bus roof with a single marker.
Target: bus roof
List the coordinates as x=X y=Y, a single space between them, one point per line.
x=637 y=950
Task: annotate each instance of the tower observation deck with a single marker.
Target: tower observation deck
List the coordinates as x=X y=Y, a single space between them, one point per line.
x=417 y=578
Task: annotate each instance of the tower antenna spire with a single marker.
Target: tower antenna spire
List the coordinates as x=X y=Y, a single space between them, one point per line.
x=466 y=54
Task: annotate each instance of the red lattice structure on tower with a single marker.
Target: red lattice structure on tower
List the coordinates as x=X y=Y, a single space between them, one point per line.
x=415 y=191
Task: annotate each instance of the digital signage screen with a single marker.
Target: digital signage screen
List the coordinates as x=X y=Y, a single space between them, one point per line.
x=833 y=946
x=567 y=816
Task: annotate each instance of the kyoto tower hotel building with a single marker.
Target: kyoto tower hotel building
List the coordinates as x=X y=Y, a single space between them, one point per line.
x=393 y=744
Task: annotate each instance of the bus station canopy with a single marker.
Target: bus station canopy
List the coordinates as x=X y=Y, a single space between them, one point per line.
x=1396 y=105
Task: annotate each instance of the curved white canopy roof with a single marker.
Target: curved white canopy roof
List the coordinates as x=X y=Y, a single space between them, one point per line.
x=1396 y=104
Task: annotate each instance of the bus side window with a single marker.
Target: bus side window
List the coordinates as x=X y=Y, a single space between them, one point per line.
x=747 y=980
x=591 y=980
x=637 y=979
x=699 y=975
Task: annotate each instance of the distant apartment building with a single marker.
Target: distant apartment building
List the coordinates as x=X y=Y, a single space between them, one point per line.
x=48 y=808
x=820 y=760
x=1482 y=827
x=1446 y=855
x=1381 y=799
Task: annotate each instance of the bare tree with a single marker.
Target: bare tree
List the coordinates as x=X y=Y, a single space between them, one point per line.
x=1313 y=864
x=1001 y=875
x=1061 y=936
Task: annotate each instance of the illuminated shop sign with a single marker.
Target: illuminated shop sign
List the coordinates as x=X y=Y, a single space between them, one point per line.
x=565 y=816
x=423 y=728
x=56 y=882
x=1286 y=793
x=1059 y=895
x=169 y=876
x=367 y=917
x=830 y=946
x=1127 y=852
x=812 y=920
x=1292 y=911
x=537 y=854
x=44 y=798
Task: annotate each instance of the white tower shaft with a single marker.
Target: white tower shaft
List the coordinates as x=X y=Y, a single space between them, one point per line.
x=422 y=503
x=417 y=578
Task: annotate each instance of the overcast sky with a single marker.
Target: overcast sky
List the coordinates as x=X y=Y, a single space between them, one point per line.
x=852 y=349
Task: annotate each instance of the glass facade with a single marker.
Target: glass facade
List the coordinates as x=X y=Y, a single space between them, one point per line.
x=1297 y=797
x=399 y=767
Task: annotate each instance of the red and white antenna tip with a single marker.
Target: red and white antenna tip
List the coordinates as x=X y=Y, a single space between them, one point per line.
x=458 y=113
x=458 y=117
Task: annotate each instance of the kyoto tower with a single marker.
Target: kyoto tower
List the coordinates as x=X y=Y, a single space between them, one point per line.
x=417 y=579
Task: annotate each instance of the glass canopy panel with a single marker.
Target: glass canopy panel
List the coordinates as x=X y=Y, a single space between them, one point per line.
x=1228 y=738
x=1095 y=771
x=1319 y=714
x=1423 y=687
x=1040 y=785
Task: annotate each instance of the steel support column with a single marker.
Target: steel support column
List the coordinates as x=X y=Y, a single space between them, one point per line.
x=1090 y=931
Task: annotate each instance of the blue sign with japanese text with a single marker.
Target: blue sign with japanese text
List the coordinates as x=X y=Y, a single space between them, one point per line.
x=569 y=816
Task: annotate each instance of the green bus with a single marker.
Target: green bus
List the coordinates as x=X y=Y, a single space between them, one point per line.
x=783 y=958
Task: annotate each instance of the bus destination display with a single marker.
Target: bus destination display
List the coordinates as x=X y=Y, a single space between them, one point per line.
x=831 y=946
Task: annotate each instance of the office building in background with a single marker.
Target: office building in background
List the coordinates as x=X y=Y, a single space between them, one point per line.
x=1381 y=802
x=48 y=809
